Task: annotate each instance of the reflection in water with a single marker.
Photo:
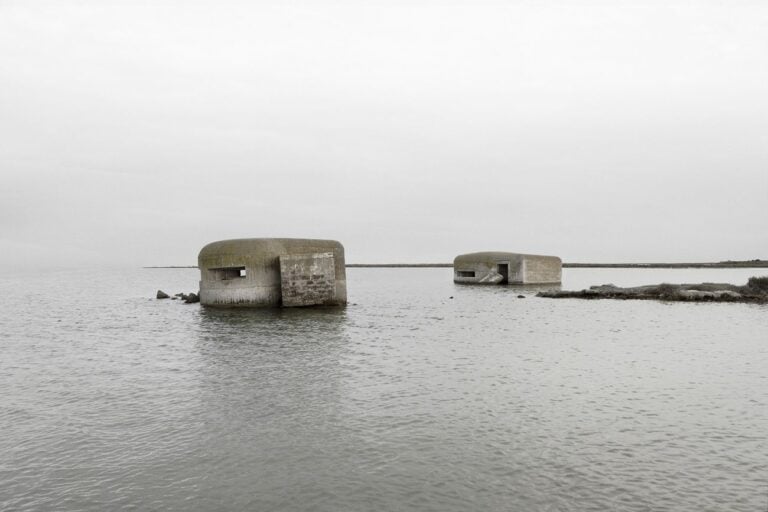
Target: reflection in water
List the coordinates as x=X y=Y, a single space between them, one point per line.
x=527 y=289
x=272 y=388
x=217 y=321
x=532 y=288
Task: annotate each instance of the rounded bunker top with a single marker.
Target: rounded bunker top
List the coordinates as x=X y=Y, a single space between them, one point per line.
x=495 y=256
x=263 y=251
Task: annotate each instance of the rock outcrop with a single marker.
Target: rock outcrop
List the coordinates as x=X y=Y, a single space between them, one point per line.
x=162 y=295
x=704 y=292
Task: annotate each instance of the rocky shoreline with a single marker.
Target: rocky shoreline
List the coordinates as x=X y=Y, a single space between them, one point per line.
x=755 y=291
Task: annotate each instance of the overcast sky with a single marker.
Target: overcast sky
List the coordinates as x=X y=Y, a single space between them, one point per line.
x=136 y=132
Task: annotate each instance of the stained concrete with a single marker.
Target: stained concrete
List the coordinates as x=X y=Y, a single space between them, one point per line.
x=308 y=279
x=248 y=272
x=489 y=268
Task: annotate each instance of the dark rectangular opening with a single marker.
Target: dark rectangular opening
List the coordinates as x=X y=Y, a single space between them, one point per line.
x=227 y=273
x=503 y=269
x=465 y=273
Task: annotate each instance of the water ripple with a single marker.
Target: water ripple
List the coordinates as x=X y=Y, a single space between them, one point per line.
x=406 y=400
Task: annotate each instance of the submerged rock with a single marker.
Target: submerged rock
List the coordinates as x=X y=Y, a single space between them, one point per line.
x=191 y=298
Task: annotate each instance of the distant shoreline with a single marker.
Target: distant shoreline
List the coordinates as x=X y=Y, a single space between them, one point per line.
x=719 y=264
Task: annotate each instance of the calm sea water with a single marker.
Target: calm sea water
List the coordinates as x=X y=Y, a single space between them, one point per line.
x=408 y=399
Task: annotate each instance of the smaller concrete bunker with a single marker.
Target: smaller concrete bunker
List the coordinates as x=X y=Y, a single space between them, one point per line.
x=272 y=272
x=506 y=268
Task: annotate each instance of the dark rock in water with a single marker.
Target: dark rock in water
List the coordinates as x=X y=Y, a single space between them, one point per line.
x=450 y=297
x=521 y=296
x=183 y=296
x=192 y=298
x=162 y=295
x=179 y=295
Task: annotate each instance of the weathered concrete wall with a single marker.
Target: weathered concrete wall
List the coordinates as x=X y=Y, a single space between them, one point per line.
x=308 y=279
x=259 y=260
x=522 y=268
x=239 y=295
x=542 y=269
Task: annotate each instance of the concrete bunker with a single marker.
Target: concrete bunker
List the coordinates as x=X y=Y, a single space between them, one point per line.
x=272 y=272
x=506 y=268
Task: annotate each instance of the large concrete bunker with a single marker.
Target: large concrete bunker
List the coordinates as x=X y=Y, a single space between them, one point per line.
x=271 y=272
x=506 y=267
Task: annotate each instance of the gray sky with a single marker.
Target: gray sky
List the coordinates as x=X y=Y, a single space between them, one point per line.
x=137 y=132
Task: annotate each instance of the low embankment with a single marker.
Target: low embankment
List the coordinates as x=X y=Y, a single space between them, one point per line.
x=756 y=291
x=717 y=264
